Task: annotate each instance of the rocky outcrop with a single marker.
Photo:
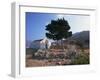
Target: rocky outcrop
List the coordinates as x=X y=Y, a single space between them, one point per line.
x=60 y=54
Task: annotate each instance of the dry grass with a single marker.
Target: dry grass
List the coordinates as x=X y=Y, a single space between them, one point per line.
x=30 y=62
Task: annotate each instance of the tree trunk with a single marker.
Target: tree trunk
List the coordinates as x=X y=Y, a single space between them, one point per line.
x=62 y=45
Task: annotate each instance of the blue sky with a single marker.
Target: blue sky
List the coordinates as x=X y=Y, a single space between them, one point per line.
x=36 y=22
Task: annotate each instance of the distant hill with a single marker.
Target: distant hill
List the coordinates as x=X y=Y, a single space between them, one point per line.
x=28 y=43
x=82 y=37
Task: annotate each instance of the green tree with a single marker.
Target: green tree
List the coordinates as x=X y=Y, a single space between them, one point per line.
x=58 y=30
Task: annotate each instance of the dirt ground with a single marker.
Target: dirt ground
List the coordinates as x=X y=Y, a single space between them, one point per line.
x=46 y=62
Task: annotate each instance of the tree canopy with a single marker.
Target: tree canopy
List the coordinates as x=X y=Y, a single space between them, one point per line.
x=58 y=29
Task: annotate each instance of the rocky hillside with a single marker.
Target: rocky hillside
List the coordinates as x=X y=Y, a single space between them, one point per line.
x=80 y=36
